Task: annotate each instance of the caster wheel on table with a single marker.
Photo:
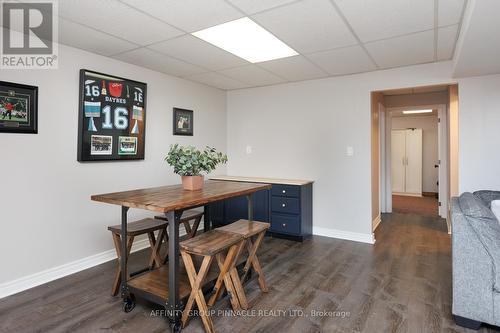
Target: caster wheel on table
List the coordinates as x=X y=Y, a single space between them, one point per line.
x=128 y=304
x=176 y=327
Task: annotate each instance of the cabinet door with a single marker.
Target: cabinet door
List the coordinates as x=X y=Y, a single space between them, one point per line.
x=217 y=214
x=414 y=161
x=398 y=146
x=237 y=208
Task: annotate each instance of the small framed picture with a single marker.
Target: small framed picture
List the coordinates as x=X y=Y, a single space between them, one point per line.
x=127 y=145
x=101 y=145
x=183 y=122
x=18 y=108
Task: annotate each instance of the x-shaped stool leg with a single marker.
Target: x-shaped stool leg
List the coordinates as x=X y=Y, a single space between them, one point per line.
x=196 y=281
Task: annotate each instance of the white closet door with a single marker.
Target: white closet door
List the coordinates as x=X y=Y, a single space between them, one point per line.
x=414 y=161
x=398 y=155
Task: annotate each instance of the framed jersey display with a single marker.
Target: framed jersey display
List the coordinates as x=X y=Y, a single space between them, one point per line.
x=112 y=117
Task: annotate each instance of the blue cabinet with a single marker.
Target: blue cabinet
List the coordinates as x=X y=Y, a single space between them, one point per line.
x=287 y=207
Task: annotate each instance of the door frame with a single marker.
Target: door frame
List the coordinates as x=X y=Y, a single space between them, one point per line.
x=385 y=155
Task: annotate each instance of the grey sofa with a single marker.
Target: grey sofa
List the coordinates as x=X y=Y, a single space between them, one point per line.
x=476 y=260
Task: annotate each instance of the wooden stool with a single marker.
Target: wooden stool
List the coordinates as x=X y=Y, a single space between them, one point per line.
x=247 y=230
x=141 y=227
x=209 y=245
x=186 y=217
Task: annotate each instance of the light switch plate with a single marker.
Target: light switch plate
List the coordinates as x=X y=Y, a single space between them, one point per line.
x=249 y=149
x=350 y=151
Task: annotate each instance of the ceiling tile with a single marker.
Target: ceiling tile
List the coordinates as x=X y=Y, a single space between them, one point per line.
x=255 y=6
x=294 y=68
x=402 y=51
x=218 y=80
x=346 y=60
x=79 y=36
x=189 y=15
x=117 y=19
x=159 y=62
x=447 y=38
x=375 y=19
x=253 y=75
x=450 y=12
x=198 y=52
x=307 y=26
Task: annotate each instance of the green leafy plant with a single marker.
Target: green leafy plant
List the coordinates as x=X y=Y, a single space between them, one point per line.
x=189 y=161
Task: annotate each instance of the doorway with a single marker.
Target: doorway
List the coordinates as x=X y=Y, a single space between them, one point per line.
x=425 y=121
x=415 y=133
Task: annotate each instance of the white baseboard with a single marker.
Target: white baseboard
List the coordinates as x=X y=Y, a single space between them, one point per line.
x=376 y=222
x=54 y=273
x=347 y=235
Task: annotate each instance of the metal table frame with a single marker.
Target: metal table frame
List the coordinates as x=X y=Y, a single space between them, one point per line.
x=174 y=304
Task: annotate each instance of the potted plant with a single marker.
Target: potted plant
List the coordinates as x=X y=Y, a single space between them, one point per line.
x=190 y=163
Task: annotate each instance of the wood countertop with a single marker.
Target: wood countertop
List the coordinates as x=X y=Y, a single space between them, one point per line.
x=168 y=198
x=298 y=182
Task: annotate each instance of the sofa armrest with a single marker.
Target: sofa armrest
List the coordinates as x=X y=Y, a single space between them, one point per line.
x=472 y=270
x=487 y=229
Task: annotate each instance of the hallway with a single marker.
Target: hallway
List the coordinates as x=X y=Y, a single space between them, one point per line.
x=425 y=206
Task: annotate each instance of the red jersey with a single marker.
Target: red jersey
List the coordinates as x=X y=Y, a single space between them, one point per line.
x=9 y=106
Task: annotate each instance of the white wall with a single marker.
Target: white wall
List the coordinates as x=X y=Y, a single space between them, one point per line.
x=479 y=123
x=46 y=214
x=429 y=126
x=301 y=130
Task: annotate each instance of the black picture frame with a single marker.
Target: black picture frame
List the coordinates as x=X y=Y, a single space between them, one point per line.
x=18 y=108
x=104 y=98
x=187 y=118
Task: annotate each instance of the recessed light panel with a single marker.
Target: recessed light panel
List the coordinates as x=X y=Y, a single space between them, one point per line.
x=246 y=39
x=417 y=111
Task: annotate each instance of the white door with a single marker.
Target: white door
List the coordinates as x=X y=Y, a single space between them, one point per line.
x=398 y=159
x=413 y=177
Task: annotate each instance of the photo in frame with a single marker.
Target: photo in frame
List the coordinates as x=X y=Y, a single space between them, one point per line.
x=112 y=118
x=18 y=108
x=183 y=122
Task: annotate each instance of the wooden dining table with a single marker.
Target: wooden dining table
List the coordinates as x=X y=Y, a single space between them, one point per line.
x=164 y=285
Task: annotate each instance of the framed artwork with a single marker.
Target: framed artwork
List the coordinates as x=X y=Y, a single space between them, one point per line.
x=112 y=118
x=183 y=122
x=18 y=108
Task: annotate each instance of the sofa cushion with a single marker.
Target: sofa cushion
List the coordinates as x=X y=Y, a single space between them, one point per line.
x=486 y=227
x=487 y=196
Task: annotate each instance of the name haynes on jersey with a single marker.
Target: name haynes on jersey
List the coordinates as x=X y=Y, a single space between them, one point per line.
x=115 y=100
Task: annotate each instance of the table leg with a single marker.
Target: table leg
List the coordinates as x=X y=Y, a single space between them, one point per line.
x=173 y=306
x=250 y=207
x=128 y=302
x=207 y=222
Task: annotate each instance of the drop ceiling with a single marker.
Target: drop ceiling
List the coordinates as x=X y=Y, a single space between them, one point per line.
x=332 y=37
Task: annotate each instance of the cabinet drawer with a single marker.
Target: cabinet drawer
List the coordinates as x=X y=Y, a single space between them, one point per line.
x=286 y=190
x=285 y=205
x=285 y=224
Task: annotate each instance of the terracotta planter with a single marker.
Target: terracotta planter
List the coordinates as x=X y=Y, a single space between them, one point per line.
x=192 y=183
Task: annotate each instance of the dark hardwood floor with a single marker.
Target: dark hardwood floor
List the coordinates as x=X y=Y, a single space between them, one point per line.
x=401 y=284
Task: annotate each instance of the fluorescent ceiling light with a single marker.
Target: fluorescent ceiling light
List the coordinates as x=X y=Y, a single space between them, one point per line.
x=417 y=111
x=246 y=39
